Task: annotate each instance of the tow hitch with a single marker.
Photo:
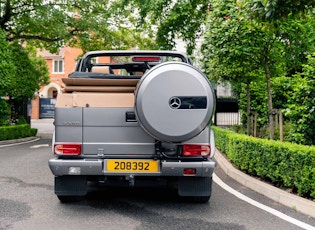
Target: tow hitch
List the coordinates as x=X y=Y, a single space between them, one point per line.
x=131 y=179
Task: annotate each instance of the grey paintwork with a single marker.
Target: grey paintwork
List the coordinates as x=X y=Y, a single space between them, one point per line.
x=96 y=167
x=158 y=86
x=108 y=133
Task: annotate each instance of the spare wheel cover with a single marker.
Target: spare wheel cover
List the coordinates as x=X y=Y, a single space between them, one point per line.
x=174 y=102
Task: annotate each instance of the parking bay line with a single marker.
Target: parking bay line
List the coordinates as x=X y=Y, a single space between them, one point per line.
x=272 y=211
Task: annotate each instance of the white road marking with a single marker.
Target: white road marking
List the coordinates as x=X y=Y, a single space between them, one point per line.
x=272 y=211
x=38 y=146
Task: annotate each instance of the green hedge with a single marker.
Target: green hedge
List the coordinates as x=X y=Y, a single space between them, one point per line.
x=284 y=164
x=16 y=132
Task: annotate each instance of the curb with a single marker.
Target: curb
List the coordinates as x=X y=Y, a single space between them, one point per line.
x=295 y=202
x=18 y=141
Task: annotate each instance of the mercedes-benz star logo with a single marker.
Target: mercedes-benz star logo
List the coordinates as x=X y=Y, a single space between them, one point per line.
x=175 y=102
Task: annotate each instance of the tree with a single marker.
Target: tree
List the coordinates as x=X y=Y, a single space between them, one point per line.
x=21 y=74
x=229 y=46
x=41 y=72
x=259 y=47
x=184 y=20
x=172 y=19
x=30 y=73
x=52 y=24
x=283 y=22
x=302 y=105
x=87 y=24
x=7 y=70
x=270 y=10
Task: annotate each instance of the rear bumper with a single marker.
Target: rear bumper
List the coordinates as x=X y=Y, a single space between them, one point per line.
x=63 y=167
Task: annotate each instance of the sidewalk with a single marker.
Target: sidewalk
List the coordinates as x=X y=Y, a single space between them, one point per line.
x=45 y=127
x=300 y=204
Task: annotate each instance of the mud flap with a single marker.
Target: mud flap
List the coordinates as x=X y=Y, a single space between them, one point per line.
x=70 y=185
x=194 y=186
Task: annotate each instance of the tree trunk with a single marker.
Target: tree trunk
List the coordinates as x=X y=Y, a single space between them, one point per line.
x=248 y=107
x=255 y=124
x=270 y=108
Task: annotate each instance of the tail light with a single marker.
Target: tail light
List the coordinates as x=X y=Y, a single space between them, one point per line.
x=196 y=150
x=145 y=58
x=67 y=149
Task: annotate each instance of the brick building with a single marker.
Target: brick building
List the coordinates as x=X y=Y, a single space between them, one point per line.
x=60 y=65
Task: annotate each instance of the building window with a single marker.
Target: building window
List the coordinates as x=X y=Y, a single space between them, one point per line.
x=58 y=66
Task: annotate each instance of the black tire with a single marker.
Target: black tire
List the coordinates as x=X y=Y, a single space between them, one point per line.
x=69 y=199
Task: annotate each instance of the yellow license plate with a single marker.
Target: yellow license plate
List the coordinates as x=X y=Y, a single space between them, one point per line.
x=144 y=166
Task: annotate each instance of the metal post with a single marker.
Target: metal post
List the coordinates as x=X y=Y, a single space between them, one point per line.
x=281 y=124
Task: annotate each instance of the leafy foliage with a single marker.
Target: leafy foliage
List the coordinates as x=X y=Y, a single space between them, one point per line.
x=230 y=43
x=240 y=47
x=183 y=20
x=90 y=25
x=7 y=70
x=284 y=164
x=94 y=25
x=4 y=112
x=21 y=74
x=41 y=72
x=302 y=105
x=282 y=89
x=41 y=21
x=16 y=132
x=30 y=73
x=7 y=67
x=258 y=95
x=237 y=50
x=173 y=19
x=26 y=80
x=277 y=9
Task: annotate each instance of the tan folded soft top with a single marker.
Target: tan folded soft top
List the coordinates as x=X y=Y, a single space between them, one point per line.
x=99 y=85
x=99 y=82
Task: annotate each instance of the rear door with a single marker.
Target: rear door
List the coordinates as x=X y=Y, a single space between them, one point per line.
x=110 y=132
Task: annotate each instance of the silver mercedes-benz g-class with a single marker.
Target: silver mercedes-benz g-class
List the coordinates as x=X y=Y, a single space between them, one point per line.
x=132 y=116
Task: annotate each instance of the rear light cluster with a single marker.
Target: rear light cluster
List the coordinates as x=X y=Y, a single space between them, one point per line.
x=67 y=149
x=196 y=150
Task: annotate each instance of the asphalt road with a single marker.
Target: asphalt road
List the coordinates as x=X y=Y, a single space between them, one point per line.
x=27 y=201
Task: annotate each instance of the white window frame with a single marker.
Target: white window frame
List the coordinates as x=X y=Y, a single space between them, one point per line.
x=54 y=61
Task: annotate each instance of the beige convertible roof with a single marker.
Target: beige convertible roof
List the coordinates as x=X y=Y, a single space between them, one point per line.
x=99 y=85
